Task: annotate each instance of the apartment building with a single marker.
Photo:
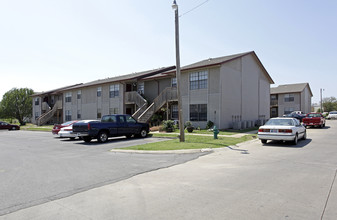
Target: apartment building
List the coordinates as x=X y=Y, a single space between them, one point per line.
x=285 y=99
x=224 y=90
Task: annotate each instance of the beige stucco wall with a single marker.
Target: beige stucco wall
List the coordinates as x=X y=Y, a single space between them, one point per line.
x=245 y=92
x=295 y=104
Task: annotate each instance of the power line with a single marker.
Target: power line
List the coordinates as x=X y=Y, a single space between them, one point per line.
x=194 y=8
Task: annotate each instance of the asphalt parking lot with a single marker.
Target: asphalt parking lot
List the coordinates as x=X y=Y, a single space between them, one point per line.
x=37 y=167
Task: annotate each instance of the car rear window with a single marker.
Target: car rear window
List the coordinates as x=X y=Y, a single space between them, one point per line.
x=282 y=122
x=313 y=115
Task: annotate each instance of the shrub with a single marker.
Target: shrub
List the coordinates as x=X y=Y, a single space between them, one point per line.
x=209 y=125
x=168 y=125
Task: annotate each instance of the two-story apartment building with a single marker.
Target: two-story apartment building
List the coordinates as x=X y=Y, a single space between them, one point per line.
x=285 y=99
x=224 y=90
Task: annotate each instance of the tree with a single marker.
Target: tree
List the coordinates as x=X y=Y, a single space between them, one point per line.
x=17 y=103
x=330 y=104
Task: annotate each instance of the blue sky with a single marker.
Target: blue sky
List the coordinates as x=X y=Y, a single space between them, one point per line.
x=47 y=44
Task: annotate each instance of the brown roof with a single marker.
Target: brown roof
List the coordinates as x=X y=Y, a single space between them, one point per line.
x=290 y=88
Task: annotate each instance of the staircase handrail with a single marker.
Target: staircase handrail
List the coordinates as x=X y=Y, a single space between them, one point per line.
x=48 y=115
x=168 y=94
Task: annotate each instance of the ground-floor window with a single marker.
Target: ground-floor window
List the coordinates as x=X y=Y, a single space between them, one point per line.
x=78 y=114
x=99 y=113
x=113 y=111
x=174 y=112
x=68 y=115
x=288 y=110
x=198 y=112
x=36 y=115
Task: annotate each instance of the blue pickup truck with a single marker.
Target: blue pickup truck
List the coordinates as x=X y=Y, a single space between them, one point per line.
x=111 y=126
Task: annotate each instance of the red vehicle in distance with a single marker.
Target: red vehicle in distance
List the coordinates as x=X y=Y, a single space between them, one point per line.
x=5 y=125
x=57 y=127
x=314 y=120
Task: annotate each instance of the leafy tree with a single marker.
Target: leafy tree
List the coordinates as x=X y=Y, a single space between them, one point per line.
x=17 y=103
x=330 y=104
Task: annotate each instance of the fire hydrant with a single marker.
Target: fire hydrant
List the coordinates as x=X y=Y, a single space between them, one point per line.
x=215 y=132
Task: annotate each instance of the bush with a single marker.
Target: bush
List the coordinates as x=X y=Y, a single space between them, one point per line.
x=209 y=125
x=188 y=124
x=168 y=125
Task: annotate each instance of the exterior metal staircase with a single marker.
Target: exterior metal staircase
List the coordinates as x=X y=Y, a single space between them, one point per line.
x=168 y=94
x=44 y=118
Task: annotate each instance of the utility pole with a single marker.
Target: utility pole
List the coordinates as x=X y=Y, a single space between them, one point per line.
x=321 y=90
x=180 y=110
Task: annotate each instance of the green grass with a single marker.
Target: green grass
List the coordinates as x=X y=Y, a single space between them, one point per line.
x=191 y=142
x=32 y=127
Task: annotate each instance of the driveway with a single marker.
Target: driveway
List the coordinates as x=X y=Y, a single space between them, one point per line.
x=36 y=167
x=252 y=181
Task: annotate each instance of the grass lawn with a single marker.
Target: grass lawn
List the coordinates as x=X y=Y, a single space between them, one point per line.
x=191 y=142
x=32 y=127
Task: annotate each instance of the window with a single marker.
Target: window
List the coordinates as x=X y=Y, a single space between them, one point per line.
x=174 y=82
x=68 y=115
x=79 y=94
x=288 y=110
x=37 y=101
x=198 y=112
x=78 y=114
x=36 y=115
x=141 y=88
x=121 y=119
x=113 y=111
x=109 y=118
x=68 y=97
x=174 y=111
x=288 y=97
x=99 y=91
x=129 y=119
x=198 y=80
x=99 y=113
x=114 y=90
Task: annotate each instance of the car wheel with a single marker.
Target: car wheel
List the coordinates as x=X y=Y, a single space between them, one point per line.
x=13 y=128
x=143 y=133
x=87 y=139
x=263 y=141
x=295 y=140
x=102 y=137
x=304 y=135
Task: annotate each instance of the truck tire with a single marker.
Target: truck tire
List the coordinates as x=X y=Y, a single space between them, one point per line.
x=102 y=137
x=87 y=139
x=143 y=133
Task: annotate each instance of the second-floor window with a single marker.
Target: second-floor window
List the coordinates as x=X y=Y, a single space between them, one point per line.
x=174 y=82
x=68 y=97
x=99 y=91
x=79 y=94
x=141 y=88
x=114 y=90
x=289 y=98
x=37 y=101
x=198 y=80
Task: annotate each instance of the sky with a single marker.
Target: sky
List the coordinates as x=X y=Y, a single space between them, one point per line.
x=47 y=44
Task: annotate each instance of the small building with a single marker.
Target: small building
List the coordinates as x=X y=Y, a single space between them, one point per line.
x=226 y=90
x=285 y=99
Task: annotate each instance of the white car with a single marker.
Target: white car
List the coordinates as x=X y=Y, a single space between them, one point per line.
x=67 y=132
x=332 y=115
x=282 y=129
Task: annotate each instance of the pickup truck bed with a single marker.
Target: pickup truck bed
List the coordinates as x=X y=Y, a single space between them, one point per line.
x=111 y=126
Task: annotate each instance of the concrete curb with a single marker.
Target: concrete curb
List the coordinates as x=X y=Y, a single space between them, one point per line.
x=186 y=151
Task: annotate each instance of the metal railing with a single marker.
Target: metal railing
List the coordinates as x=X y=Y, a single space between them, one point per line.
x=44 y=118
